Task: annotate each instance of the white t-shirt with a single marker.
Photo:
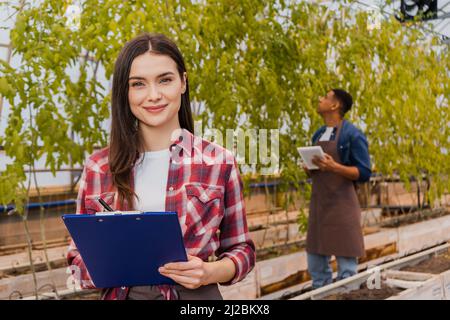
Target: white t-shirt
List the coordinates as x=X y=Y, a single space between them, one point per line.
x=150 y=180
x=327 y=134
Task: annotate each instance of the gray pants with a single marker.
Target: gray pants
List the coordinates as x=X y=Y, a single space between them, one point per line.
x=209 y=292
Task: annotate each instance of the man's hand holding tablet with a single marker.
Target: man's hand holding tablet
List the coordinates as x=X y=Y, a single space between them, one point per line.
x=309 y=153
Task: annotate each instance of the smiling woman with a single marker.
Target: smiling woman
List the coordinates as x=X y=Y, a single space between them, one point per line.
x=148 y=166
x=155 y=90
x=150 y=88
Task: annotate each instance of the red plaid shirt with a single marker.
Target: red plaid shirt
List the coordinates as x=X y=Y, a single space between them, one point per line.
x=205 y=189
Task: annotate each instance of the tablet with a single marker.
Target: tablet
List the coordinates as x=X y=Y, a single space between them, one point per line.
x=308 y=153
x=127 y=249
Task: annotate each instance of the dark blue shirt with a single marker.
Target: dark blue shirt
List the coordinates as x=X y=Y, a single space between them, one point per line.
x=352 y=147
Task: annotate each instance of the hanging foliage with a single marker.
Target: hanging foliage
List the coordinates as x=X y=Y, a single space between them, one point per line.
x=251 y=64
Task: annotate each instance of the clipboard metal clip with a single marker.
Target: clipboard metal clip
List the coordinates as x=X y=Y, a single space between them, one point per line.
x=113 y=213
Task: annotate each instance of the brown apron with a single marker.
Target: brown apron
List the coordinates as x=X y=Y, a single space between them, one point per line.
x=334 y=223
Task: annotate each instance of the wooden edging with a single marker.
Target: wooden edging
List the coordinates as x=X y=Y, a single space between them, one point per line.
x=436 y=288
x=20 y=261
x=354 y=282
x=22 y=286
x=406 y=240
x=63 y=294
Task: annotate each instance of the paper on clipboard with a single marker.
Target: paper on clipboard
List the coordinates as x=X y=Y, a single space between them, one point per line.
x=308 y=154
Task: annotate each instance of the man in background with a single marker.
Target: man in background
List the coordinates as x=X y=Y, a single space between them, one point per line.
x=334 y=222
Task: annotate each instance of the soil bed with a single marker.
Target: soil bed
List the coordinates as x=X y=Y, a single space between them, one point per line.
x=435 y=265
x=395 y=221
x=366 y=294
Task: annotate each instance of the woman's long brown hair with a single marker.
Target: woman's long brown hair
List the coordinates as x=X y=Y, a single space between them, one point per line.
x=125 y=141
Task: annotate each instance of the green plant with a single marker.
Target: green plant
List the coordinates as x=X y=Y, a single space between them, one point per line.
x=252 y=64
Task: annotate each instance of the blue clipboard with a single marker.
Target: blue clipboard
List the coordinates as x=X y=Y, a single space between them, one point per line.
x=127 y=249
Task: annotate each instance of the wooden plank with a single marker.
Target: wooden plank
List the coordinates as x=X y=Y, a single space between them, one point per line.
x=24 y=286
x=370 y=217
x=429 y=290
x=20 y=261
x=408 y=275
x=445 y=276
x=279 y=268
x=53 y=190
x=62 y=294
x=287 y=291
x=243 y=290
x=383 y=237
x=425 y=234
x=342 y=286
x=403 y=284
x=12 y=230
x=268 y=219
x=276 y=235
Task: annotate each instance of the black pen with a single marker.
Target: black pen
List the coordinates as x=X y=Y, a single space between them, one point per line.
x=104 y=204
